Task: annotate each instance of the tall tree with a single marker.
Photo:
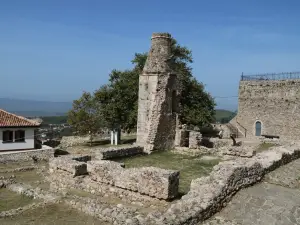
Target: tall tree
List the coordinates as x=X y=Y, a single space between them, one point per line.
x=119 y=98
x=84 y=116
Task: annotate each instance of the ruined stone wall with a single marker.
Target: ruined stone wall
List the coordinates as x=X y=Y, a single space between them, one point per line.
x=151 y=181
x=276 y=104
x=118 y=152
x=42 y=154
x=158 y=97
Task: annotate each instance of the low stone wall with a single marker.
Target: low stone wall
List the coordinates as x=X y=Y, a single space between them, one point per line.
x=69 y=165
x=152 y=181
x=39 y=155
x=210 y=194
x=118 y=152
x=70 y=141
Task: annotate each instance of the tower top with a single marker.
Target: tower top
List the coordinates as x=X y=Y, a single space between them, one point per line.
x=158 y=60
x=161 y=35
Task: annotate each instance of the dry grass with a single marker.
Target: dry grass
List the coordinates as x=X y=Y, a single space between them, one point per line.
x=11 y=200
x=52 y=215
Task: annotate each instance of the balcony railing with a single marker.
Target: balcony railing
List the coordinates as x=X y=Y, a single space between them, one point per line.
x=272 y=76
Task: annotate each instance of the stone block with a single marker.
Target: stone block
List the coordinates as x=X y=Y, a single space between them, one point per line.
x=118 y=152
x=195 y=139
x=155 y=182
x=67 y=164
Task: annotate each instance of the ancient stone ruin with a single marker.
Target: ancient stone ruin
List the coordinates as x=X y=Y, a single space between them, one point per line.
x=158 y=97
x=151 y=181
x=268 y=106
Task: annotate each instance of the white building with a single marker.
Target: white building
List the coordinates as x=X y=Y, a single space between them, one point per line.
x=16 y=132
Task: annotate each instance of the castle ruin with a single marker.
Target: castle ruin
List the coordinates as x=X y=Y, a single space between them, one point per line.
x=158 y=97
x=269 y=106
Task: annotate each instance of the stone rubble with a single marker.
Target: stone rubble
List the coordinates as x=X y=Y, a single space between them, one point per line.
x=240 y=151
x=20 y=210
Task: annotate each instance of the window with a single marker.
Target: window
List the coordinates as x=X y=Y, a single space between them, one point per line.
x=258 y=128
x=19 y=136
x=7 y=136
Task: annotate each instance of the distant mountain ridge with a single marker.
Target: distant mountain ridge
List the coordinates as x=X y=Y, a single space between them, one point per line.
x=35 y=108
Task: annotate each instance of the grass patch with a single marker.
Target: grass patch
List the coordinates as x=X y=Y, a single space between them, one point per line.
x=50 y=215
x=11 y=200
x=264 y=146
x=190 y=167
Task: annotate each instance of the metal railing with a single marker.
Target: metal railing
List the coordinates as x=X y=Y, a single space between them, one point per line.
x=245 y=130
x=272 y=76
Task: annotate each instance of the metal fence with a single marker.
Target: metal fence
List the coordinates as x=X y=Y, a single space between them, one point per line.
x=272 y=76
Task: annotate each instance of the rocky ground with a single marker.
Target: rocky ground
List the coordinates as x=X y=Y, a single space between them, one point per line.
x=274 y=201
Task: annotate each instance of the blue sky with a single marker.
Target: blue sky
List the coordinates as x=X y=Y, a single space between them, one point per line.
x=53 y=50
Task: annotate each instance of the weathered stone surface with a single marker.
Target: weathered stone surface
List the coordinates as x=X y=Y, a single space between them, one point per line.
x=274 y=103
x=117 y=152
x=67 y=164
x=181 y=138
x=158 y=97
x=69 y=141
x=41 y=155
x=209 y=195
x=240 y=151
x=155 y=182
x=263 y=204
x=195 y=139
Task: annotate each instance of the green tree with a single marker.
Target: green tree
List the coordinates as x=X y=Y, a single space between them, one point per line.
x=84 y=117
x=119 y=98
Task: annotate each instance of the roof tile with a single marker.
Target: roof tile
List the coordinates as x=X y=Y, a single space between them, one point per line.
x=11 y=120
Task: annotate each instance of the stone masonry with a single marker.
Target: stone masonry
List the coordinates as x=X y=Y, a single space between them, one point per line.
x=158 y=97
x=273 y=103
x=150 y=181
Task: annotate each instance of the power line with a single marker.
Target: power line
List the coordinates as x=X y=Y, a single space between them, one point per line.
x=226 y=96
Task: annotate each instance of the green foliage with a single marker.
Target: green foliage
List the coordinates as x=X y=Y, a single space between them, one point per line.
x=224 y=116
x=118 y=99
x=84 y=116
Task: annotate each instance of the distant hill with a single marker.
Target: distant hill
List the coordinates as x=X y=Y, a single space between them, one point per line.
x=35 y=108
x=223 y=115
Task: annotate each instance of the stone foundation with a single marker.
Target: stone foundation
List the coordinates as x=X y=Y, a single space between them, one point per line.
x=68 y=165
x=151 y=181
x=39 y=155
x=118 y=152
x=210 y=194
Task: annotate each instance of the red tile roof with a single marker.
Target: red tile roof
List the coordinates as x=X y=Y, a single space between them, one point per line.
x=11 y=120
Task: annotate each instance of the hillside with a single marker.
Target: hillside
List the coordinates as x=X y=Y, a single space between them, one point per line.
x=223 y=115
x=35 y=108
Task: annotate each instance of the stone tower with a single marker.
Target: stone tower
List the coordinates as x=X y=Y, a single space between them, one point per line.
x=158 y=97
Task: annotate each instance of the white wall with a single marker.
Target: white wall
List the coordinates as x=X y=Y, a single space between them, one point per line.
x=28 y=144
